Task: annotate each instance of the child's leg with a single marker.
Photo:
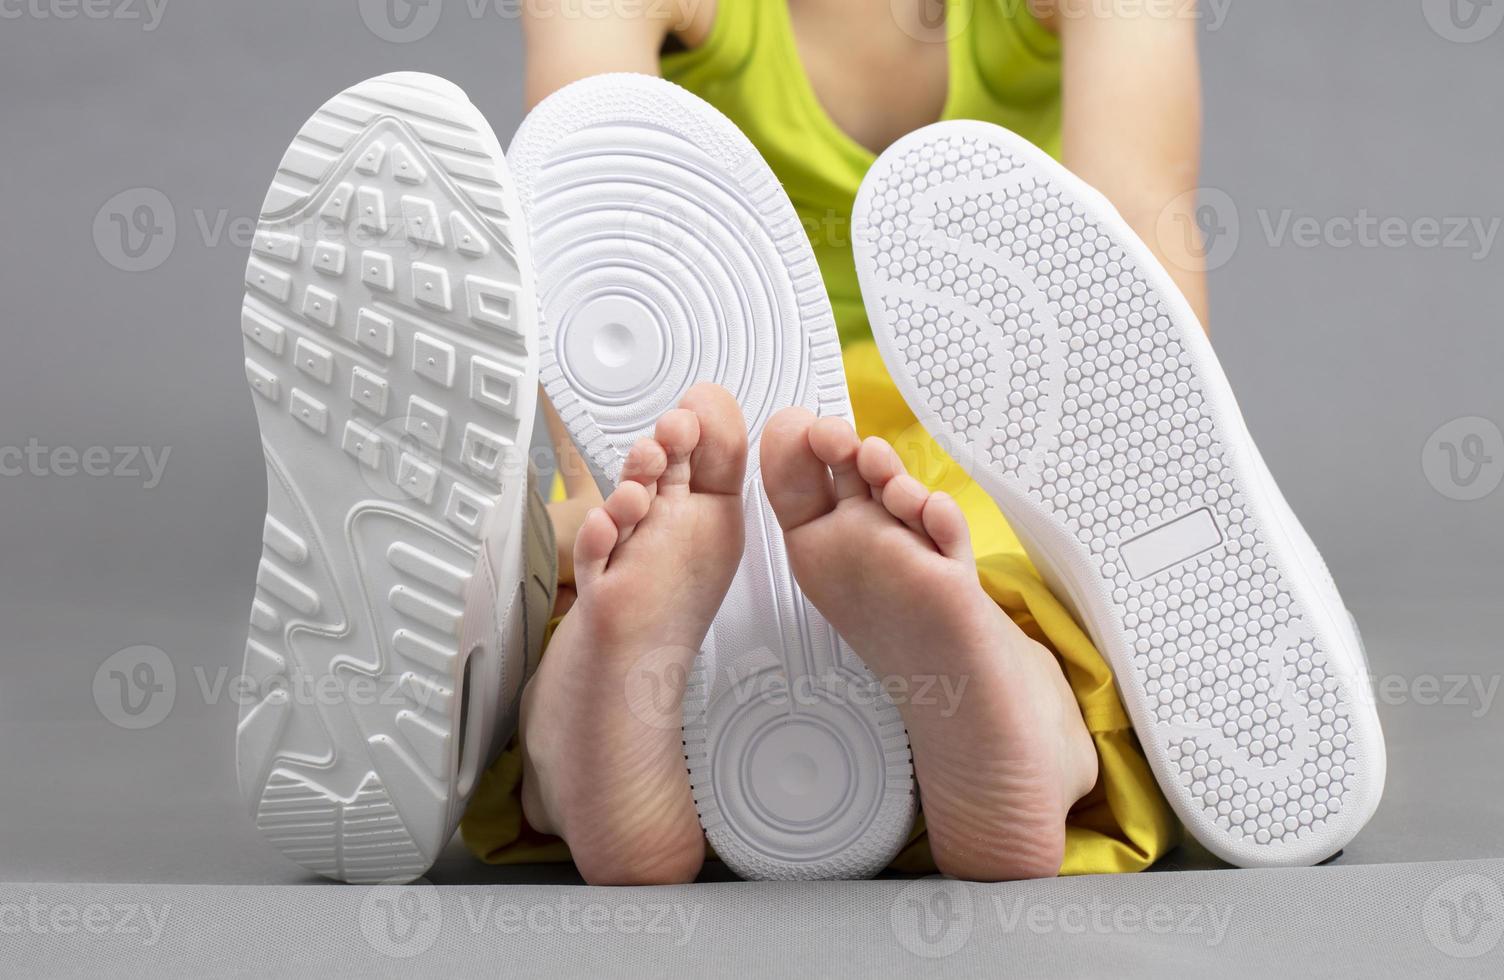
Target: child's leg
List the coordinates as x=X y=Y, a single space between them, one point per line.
x=603 y=758
x=1002 y=757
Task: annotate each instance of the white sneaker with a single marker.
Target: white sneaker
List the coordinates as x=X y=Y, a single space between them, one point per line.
x=390 y=337
x=1039 y=340
x=668 y=255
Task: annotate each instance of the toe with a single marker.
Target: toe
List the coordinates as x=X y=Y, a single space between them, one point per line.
x=946 y=525
x=645 y=463
x=905 y=498
x=796 y=480
x=835 y=442
x=678 y=432
x=719 y=464
x=592 y=546
x=627 y=505
x=878 y=462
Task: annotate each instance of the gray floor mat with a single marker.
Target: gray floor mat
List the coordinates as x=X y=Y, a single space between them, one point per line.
x=1389 y=920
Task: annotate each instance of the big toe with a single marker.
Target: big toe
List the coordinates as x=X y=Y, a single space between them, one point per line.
x=719 y=461
x=797 y=481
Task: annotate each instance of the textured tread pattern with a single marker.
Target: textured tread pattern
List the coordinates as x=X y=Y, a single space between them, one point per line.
x=383 y=473
x=361 y=840
x=668 y=255
x=1034 y=336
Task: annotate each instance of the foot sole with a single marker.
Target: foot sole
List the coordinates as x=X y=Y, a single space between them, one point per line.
x=1042 y=344
x=390 y=348
x=668 y=256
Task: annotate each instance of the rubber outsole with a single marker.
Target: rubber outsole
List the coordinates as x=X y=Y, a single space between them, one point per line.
x=390 y=338
x=668 y=255
x=1042 y=344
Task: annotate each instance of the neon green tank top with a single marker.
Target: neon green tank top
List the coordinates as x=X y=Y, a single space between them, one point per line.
x=1004 y=69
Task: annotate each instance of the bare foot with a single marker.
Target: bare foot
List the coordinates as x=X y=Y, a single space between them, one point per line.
x=999 y=760
x=603 y=757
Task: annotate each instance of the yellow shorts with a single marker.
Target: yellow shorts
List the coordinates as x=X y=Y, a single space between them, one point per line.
x=1124 y=824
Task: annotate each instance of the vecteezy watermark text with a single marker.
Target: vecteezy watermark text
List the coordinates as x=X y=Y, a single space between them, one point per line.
x=938 y=22
x=137 y=687
x=1475 y=692
x=1098 y=916
x=144 y=463
x=654 y=688
x=406 y=21
x=148 y=13
x=1475 y=235
x=1206 y=226
x=404 y=921
x=935 y=917
x=36 y=917
x=138 y=230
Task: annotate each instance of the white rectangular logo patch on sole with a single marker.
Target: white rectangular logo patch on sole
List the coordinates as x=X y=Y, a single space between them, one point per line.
x=1171 y=544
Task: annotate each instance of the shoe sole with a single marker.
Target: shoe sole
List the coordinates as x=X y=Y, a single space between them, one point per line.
x=390 y=328
x=1039 y=340
x=653 y=219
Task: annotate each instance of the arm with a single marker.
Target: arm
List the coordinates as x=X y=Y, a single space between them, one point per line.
x=562 y=48
x=1132 y=121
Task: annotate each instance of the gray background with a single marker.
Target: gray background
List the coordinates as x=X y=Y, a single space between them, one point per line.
x=1345 y=361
